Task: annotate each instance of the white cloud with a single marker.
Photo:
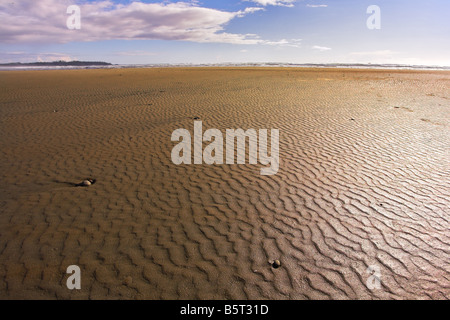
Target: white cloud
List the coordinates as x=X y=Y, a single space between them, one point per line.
x=374 y=53
x=44 y=21
x=320 y=48
x=284 y=3
x=317 y=5
x=14 y=53
x=284 y=43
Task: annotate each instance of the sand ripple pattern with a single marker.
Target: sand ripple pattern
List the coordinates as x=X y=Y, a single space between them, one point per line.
x=364 y=180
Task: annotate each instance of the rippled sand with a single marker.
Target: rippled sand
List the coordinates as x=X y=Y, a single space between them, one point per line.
x=363 y=181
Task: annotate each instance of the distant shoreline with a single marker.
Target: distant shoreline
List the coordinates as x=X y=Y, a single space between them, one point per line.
x=56 y=64
x=62 y=65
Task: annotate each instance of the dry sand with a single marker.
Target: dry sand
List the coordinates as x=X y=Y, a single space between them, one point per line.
x=363 y=180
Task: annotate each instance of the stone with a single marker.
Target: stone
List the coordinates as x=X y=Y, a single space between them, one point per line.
x=276 y=264
x=86 y=183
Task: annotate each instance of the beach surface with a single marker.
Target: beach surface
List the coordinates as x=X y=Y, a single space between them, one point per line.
x=359 y=208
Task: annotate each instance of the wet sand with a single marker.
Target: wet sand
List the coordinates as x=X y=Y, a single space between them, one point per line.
x=363 y=181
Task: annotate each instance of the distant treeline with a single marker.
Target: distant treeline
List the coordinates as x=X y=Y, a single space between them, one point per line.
x=56 y=63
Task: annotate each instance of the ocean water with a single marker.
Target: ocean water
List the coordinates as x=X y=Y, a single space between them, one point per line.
x=269 y=64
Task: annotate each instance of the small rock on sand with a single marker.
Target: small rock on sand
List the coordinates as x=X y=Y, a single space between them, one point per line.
x=275 y=263
x=86 y=183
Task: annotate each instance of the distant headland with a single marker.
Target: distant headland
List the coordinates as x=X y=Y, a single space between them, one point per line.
x=59 y=63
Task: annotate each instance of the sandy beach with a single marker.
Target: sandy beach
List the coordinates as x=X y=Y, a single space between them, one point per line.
x=363 y=181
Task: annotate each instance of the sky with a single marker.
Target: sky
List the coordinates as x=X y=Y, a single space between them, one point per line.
x=413 y=32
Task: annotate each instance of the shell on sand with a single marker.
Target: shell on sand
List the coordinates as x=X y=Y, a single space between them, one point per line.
x=275 y=263
x=86 y=183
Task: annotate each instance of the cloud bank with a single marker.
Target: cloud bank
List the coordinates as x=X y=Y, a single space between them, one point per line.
x=44 y=21
x=320 y=48
x=284 y=3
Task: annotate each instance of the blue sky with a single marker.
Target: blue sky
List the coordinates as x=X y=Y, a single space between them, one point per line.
x=212 y=31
